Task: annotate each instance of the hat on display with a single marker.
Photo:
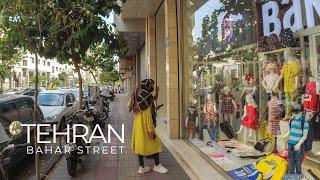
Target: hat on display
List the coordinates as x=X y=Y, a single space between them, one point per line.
x=249 y=77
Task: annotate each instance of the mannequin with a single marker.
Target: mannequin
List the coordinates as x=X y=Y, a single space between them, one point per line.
x=273 y=114
x=249 y=120
x=274 y=118
x=269 y=81
x=227 y=104
x=192 y=122
x=311 y=101
x=210 y=111
x=298 y=133
x=290 y=73
x=251 y=87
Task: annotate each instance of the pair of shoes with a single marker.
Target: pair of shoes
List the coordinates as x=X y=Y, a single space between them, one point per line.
x=143 y=169
x=159 y=168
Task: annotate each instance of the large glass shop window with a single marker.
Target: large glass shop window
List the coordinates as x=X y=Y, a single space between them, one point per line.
x=220 y=77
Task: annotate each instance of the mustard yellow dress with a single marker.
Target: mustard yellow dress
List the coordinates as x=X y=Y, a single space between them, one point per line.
x=141 y=143
x=289 y=71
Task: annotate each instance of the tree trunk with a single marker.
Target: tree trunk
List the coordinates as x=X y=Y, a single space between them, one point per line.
x=76 y=66
x=94 y=77
x=37 y=157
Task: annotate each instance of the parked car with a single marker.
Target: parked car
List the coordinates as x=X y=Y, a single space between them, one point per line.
x=16 y=108
x=15 y=90
x=31 y=91
x=58 y=107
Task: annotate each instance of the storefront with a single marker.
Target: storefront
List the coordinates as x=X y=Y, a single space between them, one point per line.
x=242 y=85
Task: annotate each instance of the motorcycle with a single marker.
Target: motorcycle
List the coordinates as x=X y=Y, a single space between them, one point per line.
x=105 y=107
x=85 y=117
x=15 y=128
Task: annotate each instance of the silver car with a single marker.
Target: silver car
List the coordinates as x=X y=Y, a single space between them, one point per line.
x=57 y=107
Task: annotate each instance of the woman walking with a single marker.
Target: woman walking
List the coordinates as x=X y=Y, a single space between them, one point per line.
x=144 y=139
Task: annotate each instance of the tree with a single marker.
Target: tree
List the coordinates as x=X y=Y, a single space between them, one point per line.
x=107 y=77
x=64 y=30
x=102 y=56
x=63 y=77
x=9 y=56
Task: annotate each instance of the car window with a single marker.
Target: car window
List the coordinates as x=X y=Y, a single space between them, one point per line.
x=25 y=111
x=9 y=112
x=73 y=98
x=50 y=99
x=68 y=99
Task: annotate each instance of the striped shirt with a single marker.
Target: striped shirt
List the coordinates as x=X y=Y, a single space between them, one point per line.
x=296 y=130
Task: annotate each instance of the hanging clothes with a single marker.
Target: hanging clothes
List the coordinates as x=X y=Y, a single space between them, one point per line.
x=227 y=104
x=211 y=115
x=273 y=116
x=251 y=119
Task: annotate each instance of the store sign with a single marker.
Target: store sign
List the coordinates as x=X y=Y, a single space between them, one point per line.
x=270 y=14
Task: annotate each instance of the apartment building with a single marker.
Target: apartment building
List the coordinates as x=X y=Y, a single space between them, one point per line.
x=49 y=70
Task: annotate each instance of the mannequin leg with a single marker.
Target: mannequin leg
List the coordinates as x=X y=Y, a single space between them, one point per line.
x=245 y=140
x=288 y=104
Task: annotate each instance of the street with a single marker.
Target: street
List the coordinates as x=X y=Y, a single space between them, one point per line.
x=119 y=166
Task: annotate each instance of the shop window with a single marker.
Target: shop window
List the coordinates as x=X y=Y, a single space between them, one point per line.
x=236 y=96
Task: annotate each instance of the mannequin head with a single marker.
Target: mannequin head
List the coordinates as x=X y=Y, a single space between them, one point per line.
x=226 y=90
x=296 y=112
x=271 y=68
x=209 y=97
x=288 y=55
x=249 y=78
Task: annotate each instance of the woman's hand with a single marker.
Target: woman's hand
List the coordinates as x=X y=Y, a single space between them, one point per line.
x=151 y=135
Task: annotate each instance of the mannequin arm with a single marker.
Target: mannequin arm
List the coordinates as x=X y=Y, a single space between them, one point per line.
x=215 y=108
x=187 y=119
x=254 y=90
x=234 y=105
x=296 y=81
x=243 y=91
x=197 y=121
x=301 y=141
x=264 y=84
x=244 y=112
x=286 y=135
x=276 y=85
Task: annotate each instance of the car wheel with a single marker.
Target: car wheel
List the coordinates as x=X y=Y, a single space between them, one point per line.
x=62 y=124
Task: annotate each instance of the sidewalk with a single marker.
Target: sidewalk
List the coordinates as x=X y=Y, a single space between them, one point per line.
x=121 y=166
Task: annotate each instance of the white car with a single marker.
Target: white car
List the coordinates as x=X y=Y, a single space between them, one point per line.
x=57 y=107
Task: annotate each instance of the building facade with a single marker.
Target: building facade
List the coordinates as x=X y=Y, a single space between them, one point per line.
x=214 y=62
x=49 y=70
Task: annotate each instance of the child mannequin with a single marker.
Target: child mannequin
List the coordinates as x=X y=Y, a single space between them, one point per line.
x=290 y=73
x=249 y=118
x=251 y=87
x=269 y=81
x=274 y=118
x=192 y=122
x=298 y=133
x=210 y=111
x=227 y=104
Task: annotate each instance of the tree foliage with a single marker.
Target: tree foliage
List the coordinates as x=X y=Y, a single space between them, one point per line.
x=61 y=29
x=109 y=77
x=9 y=56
